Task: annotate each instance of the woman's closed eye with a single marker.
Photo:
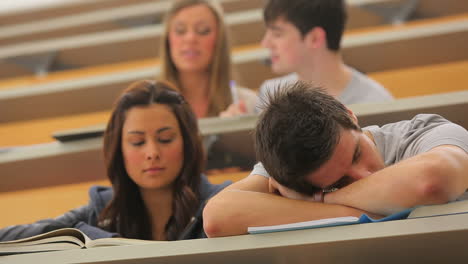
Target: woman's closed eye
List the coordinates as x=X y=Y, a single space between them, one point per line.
x=165 y=140
x=203 y=30
x=180 y=30
x=137 y=143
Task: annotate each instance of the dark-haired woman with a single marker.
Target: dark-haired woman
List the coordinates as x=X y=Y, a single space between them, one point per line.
x=154 y=160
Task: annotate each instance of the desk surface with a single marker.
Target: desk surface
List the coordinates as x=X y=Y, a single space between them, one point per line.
x=47 y=164
x=423 y=80
x=368 y=52
x=441 y=239
x=361 y=37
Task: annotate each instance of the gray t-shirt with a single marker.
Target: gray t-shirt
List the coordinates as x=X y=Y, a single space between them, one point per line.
x=405 y=139
x=360 y=89
x=408 y=138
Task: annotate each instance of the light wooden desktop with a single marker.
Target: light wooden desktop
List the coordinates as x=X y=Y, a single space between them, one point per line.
x=402 y=83
x=441 y=239
x=57 y=163
x=377 y=49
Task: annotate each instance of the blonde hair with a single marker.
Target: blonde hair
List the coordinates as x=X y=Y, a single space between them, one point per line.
x=220 y=68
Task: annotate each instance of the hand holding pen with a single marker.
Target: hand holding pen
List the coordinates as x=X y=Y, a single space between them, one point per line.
x=237 y=107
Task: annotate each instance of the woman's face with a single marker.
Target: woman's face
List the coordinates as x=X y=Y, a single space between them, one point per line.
x=192 y=38
x=152 y=146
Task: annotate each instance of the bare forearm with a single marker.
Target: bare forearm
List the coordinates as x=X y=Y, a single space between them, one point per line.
x=434 y=177
x=233 y=211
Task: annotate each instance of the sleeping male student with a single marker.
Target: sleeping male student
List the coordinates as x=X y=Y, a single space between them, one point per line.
x=154 y=160
x=316 y=162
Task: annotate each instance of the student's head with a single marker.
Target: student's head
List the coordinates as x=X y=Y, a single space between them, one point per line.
x=295 y=28
x=195 y=41
x=308 y=141
x=152 y=144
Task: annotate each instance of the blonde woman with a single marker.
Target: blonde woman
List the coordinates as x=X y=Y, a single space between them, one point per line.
x=196 y=57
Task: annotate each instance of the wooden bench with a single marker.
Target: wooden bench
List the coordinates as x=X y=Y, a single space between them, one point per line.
x=376 y=50
x=39 y=131
x=77 y=161
x=408 y=82
x=425 y=80
x=113 y=46
x=122 y=45
x=130 y=15
x=28 y=25
x=27 y=206
x=40 y=11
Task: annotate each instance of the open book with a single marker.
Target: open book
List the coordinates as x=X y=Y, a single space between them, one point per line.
x=458 y=207
x=63 y=239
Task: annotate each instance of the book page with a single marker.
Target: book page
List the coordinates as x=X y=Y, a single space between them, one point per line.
x=106 y=242
x=71 y=235
x=305 y=225
x=8 y=250
x=456 y=207
x=66 y=239
x=60 y=239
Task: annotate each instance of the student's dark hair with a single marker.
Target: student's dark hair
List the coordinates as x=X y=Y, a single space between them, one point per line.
x=126 y=214
x=298 y=131
x=307 y=14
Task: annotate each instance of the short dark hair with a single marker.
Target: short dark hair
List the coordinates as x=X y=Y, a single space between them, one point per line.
x=126 y=214
x=307 y=14
x=298 y=131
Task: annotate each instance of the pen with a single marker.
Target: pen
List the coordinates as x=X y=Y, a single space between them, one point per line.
x=234 y=95
x=188 y=228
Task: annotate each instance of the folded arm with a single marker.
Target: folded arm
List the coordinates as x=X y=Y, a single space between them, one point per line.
x=249 y=203
x=437 y=176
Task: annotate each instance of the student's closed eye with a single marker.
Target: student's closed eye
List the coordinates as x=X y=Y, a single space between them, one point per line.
x=203 y=30
x=165 y=140
x=137 y=143
x=180 y=30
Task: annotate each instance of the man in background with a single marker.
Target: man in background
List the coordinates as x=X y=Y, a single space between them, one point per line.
x=304 y=38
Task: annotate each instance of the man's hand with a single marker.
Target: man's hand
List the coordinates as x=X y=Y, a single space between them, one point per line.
x=434 y=177
x=275 y=187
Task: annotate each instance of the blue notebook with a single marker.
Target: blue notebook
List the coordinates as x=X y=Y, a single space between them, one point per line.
x=327 y=222
x=457 y=207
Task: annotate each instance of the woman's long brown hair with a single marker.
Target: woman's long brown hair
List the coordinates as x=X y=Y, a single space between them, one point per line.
x=126 y=214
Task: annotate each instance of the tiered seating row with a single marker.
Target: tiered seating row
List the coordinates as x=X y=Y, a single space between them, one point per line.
x=72 y=41
x=392 y=47
x=62 y=163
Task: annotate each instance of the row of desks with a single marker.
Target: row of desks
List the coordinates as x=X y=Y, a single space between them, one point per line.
x=440 y=239
x=382 y=49
x=76 y=161
x=114 y=46
x=408 y=82
x=78 y=14
x=95 y=89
